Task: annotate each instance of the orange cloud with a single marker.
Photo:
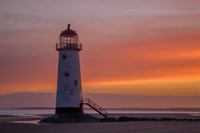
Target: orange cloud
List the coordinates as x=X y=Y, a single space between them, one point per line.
x=179 y=86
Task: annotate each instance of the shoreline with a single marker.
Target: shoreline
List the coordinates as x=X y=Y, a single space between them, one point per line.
x=23 y=124
x=113 y=117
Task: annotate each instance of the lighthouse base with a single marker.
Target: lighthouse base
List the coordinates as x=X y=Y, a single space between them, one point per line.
x=70 y=118
x=69 y=110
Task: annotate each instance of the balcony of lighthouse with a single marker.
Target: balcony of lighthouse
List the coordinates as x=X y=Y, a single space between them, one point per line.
x=68 y=43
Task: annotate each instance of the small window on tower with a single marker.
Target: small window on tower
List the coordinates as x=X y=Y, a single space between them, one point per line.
x=64 y=56
x=66 y=74
x=75 y=82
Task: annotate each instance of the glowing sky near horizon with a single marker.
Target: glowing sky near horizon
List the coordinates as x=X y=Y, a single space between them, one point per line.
x=147 y=47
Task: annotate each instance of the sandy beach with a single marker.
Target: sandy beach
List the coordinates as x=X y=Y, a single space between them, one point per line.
x=7 y=126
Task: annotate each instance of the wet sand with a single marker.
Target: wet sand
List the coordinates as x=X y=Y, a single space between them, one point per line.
x=6 y=125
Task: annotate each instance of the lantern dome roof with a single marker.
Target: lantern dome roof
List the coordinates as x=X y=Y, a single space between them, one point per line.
x=68 y=32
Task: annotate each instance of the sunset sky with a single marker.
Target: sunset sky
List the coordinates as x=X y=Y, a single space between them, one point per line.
x=139 y=47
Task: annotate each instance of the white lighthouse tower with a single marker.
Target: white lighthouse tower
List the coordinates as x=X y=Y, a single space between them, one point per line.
x=68 y=99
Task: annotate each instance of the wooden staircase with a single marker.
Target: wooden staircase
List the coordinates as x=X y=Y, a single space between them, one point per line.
x=94 y=106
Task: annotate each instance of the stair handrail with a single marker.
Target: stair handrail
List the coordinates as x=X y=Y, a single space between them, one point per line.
x=87 y=100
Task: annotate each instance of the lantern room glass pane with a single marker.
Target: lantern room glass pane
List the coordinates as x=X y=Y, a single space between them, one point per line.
x=69 y=40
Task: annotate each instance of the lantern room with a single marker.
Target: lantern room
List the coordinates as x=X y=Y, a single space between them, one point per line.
x=68 y=40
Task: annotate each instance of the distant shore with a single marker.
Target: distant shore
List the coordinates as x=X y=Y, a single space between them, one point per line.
x=170 y=109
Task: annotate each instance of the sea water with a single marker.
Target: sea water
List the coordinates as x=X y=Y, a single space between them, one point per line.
x=31 y=112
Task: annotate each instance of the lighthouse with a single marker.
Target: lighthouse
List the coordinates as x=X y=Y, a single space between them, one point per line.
x=69 y=90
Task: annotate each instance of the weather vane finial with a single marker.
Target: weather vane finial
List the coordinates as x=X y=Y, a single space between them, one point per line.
x=69 y=26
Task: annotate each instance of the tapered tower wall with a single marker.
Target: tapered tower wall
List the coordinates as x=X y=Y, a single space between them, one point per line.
x=69 y=90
